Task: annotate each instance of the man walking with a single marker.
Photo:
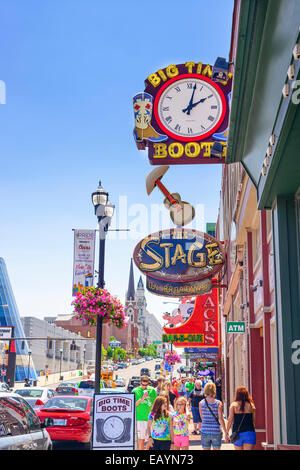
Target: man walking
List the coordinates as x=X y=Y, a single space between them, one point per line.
x=144 y=396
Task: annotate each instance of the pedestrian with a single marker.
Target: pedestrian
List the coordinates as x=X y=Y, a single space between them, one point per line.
x=181 y=420
x=144 y=396
x=167 y=388
x=160 y=427
x=181 y=388
x=219 y=388
x=211 y=412
x=189 y=386
x=195 y=397
x=242 y=418
x=27 y=382
x=160 y=382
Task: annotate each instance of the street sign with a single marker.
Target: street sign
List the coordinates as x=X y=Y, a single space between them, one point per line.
x=235 y=327
x=5 y=332
x=3 y=372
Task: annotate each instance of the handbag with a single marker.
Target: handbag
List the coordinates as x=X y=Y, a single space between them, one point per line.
x=235 y=435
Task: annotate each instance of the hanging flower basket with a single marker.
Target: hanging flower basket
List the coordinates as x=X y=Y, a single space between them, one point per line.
x=172 y=358
x=93 y=302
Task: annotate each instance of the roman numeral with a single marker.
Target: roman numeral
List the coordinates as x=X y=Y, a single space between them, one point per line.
x=169 y=97
x=177 y=88
x=166 y=108
x=168 y=119
x=211 y=118
x=190 y=130
x=177 y=127
x=189 y=85
x=213 y=107
x=209 y=96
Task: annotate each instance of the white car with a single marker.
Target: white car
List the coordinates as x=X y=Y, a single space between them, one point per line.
x=35 y=396
x=120 y=382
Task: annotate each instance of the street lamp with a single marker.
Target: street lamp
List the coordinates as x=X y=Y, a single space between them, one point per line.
x=28 y=373
x=61 y=353
x=104 y=211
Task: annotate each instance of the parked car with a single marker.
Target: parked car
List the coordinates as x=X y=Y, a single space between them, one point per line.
x=135 y=381
x=68 y=418
x=20 y=427
x=185 y=370
x=120 y=382
x=66 y=388
x=86 y=387
x=36 y=396
x=145 y=371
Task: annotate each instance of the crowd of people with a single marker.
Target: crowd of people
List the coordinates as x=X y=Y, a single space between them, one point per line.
x=168 y=414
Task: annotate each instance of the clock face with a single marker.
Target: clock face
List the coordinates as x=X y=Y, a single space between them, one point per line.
x=113 y=427
x=189 y=108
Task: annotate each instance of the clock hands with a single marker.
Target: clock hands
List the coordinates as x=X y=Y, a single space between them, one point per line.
x=191 y=105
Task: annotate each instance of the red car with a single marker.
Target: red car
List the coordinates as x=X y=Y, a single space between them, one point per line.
x=71 y=418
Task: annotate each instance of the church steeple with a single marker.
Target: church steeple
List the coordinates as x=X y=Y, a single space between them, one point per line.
x=140 y=283
x=131 y=292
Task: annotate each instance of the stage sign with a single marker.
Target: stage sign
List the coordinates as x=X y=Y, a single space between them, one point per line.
x=175 y=260
x=181 y=114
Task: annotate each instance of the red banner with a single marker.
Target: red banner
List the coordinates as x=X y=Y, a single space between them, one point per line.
x=202 y=328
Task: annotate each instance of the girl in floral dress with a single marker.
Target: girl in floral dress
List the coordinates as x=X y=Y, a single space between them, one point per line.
x=181 y=420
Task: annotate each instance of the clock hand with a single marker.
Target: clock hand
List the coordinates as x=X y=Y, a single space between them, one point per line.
x=200 y=101
x=189 y=107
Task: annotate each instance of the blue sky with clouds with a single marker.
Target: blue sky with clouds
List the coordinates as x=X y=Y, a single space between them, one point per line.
x=71 y=68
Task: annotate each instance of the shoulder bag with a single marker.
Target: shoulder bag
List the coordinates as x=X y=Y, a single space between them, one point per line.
x=235 y=435
x=212 y=412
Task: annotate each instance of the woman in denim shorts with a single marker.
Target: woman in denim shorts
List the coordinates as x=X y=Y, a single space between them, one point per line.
x=242 y=416
x=211 y=412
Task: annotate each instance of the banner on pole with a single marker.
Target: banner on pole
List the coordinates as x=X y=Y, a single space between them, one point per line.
x=84 y=258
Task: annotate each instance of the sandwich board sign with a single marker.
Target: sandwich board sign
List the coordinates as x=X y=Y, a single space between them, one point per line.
x=114 y=421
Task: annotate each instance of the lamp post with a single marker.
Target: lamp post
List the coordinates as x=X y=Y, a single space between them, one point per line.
x=104 y=211
x=61 y=353
x=28 y=373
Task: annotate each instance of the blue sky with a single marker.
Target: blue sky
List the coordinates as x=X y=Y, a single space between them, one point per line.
x=71 y=68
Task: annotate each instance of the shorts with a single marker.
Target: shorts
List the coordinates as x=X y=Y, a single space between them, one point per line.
x=208 y=440
x=141 y=427
x=247 y=437
x=160 y=444
x=181 y=441
x=196 y=415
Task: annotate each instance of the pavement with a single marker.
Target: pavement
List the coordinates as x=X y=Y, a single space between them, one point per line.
x=195 y=443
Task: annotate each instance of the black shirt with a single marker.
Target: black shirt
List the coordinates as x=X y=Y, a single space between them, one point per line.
x=247 y=424
x=196 y=396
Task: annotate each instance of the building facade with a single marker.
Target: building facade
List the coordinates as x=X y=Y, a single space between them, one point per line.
x=264 y=140
x=61 y=350
x=17 y=364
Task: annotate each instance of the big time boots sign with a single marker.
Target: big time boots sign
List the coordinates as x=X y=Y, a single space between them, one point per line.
x=181 y=114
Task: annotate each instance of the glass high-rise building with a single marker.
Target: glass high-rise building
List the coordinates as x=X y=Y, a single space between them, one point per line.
x=9 y=316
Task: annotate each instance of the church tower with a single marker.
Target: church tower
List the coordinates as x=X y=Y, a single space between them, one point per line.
x=141 y=313
x=132 y=313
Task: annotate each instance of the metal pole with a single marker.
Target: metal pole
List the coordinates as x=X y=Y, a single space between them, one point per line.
x=99 y=319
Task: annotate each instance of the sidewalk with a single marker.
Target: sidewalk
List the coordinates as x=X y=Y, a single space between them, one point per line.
x=195 y=441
